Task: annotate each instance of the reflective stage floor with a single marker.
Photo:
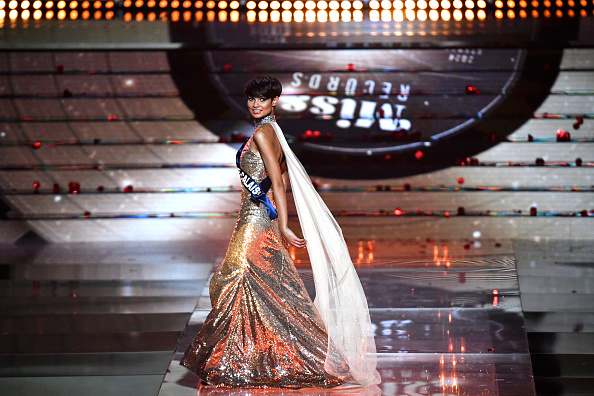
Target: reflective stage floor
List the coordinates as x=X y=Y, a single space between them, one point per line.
x=112 y=319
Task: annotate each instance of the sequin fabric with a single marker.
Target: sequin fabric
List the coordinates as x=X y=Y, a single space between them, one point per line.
x=263 y=330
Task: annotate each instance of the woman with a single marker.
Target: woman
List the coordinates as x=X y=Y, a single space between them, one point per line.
x=263 y=329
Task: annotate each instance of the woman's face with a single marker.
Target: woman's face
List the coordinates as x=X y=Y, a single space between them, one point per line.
x=261 y=107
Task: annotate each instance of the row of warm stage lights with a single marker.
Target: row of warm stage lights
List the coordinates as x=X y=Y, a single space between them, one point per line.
x=287 y=11
x=523 y=5
x=385 y=10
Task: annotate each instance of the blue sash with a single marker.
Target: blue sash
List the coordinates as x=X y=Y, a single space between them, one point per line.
x=258 y=191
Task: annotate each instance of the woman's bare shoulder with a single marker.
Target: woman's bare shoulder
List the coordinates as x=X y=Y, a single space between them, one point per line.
x=264 y=134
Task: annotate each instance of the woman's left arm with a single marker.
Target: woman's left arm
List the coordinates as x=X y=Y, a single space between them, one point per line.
x=270 y=151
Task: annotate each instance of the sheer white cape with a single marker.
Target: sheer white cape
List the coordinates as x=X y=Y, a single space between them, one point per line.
x=340 y=299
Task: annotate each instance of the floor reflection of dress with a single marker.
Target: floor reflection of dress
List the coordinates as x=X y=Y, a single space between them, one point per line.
x=263 y=330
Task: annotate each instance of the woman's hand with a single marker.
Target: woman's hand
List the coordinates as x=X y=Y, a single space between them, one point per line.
x=292 y=239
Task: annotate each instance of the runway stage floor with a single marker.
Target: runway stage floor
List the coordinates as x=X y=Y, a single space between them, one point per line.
x=105 y=319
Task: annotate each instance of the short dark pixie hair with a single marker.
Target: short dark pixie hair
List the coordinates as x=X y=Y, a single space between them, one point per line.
x=263 y=87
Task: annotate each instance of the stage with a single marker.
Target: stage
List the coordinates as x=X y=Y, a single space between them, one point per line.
x=451 y=141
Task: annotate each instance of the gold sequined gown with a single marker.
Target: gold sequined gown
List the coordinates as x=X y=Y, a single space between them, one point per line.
x=263 y=329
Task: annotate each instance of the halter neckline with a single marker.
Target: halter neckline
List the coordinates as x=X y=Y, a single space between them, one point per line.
x=265 y=120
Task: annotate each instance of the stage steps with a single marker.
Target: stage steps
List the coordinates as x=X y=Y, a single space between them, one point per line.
x=555 y=280
x=100 y=318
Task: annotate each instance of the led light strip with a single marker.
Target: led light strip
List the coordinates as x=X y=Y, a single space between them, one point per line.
x=291 y=11
x=202 y=215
